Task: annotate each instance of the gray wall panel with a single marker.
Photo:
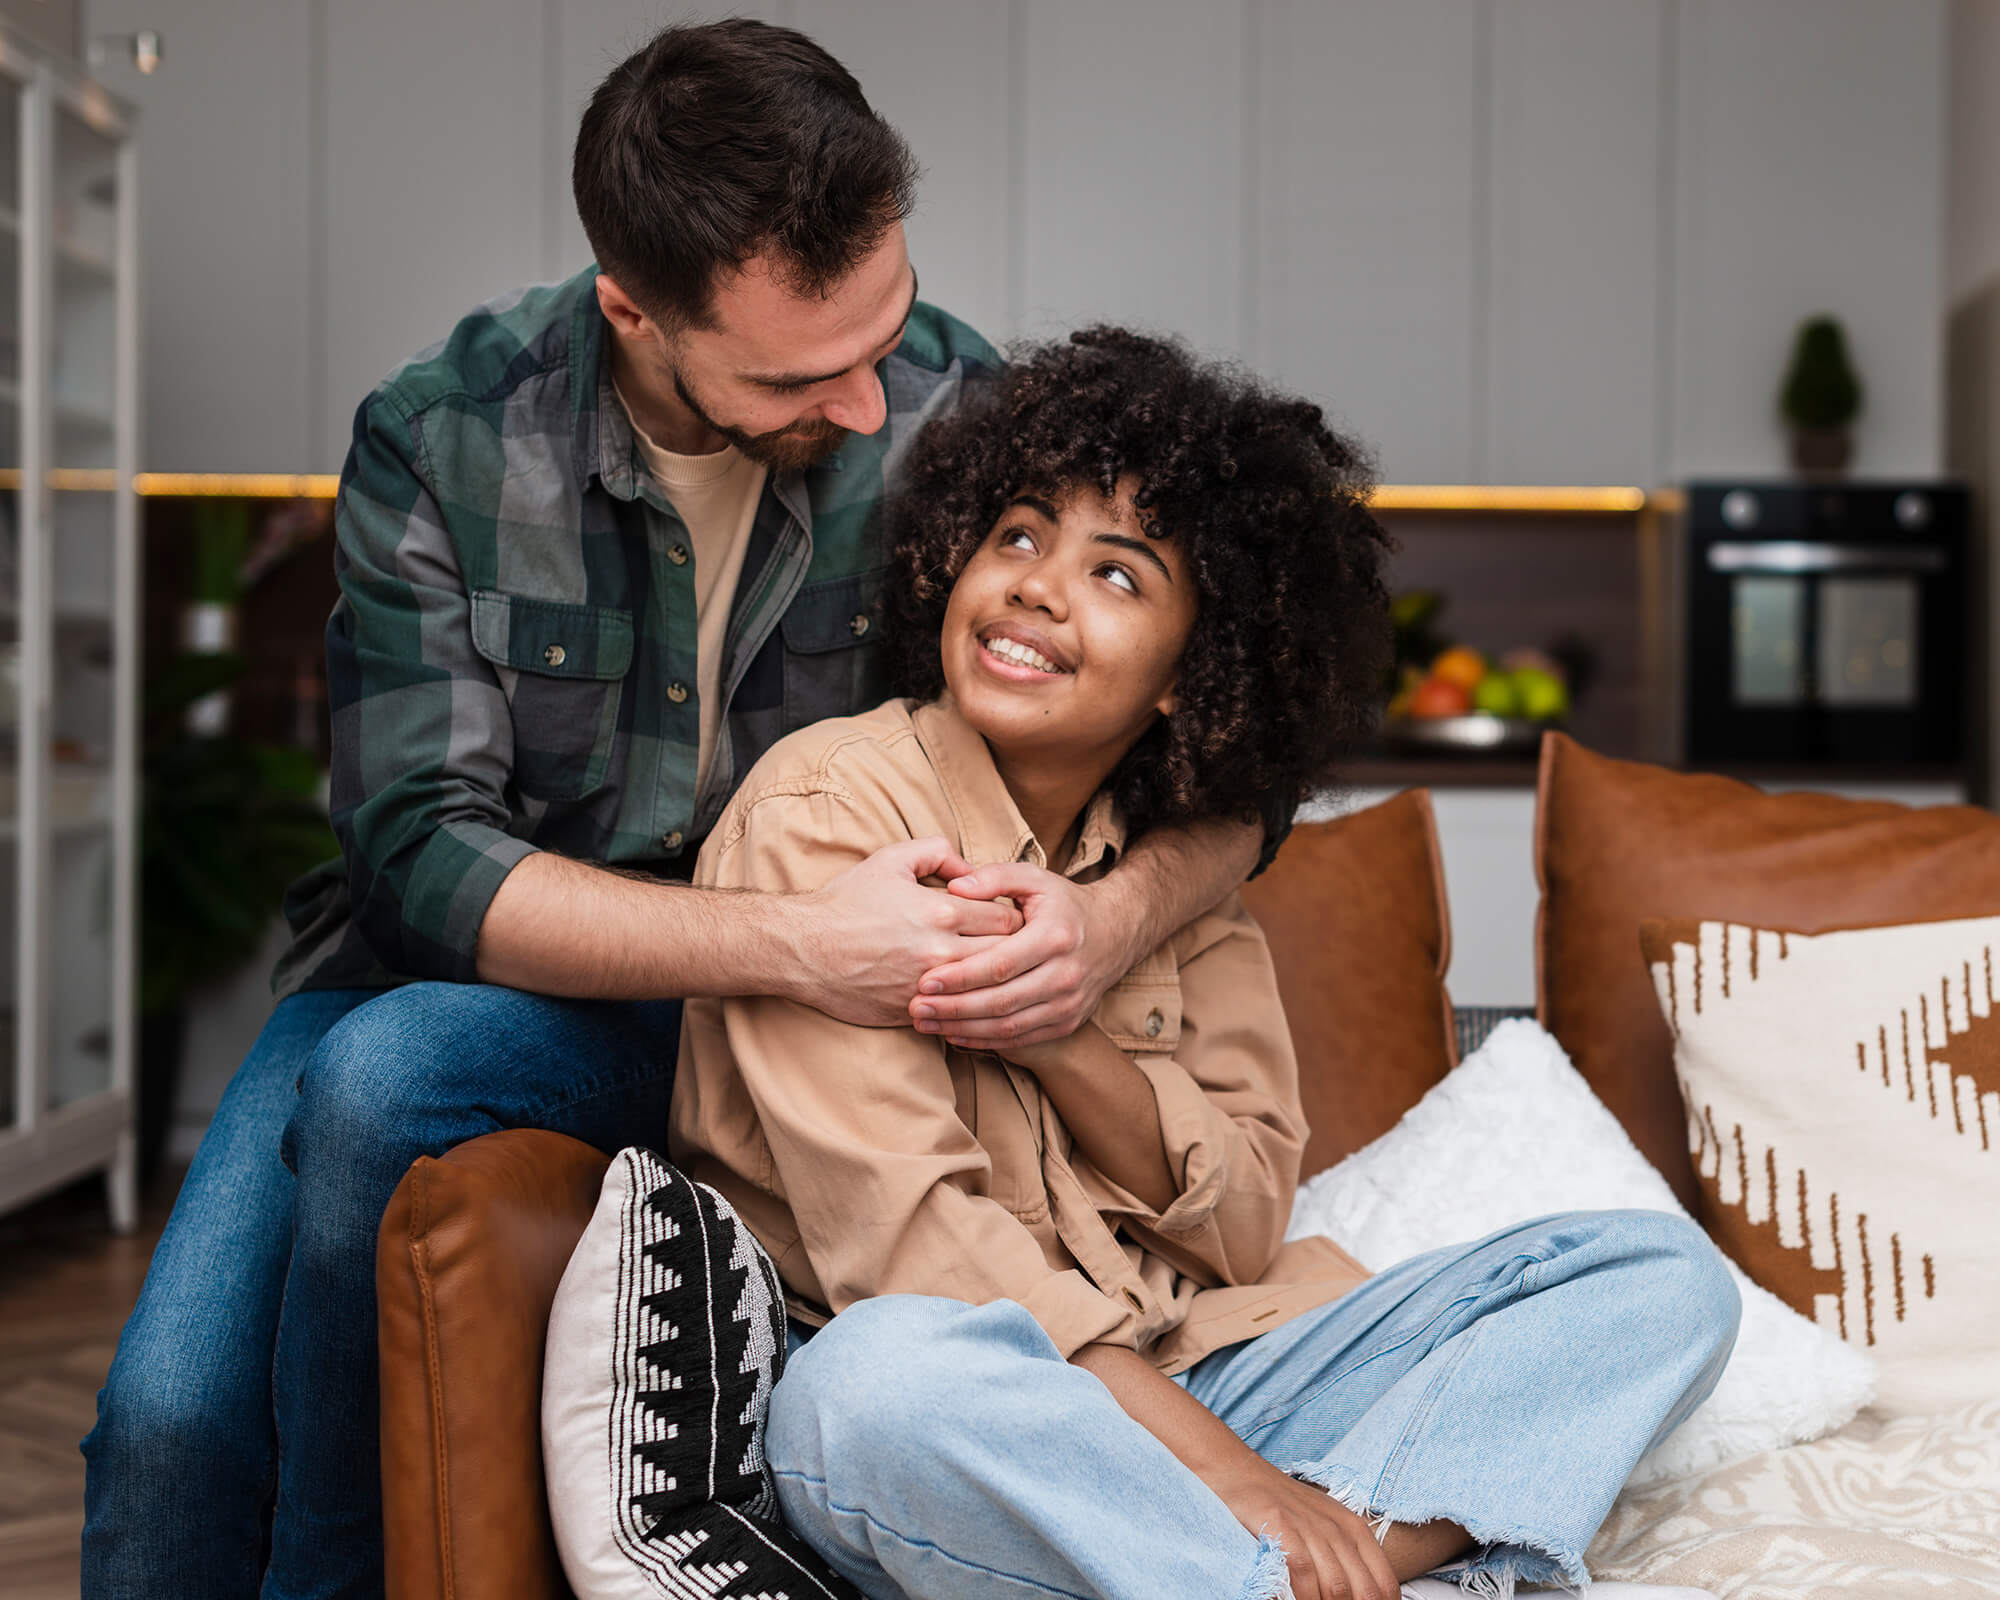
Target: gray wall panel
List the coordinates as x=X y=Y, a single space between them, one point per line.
x=1367 y=243
x=225 y=196
x=434 y=173
x=1575 y=216
x=1810 y=178
x=1134 y=165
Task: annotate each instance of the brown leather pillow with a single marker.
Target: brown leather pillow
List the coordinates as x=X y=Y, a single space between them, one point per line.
x=1618 y=842
x=466 y=1266
x=1355 y=913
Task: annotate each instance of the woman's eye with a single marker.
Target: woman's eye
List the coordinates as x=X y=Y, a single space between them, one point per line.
x=1120 y=576
x=1016 y=538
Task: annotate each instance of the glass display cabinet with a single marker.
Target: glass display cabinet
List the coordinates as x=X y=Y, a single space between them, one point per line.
x=69 y=631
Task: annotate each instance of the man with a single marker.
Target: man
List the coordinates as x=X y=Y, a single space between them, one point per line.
x=597 y=551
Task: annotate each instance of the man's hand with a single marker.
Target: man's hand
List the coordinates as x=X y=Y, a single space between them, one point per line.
x=1042 y=983
x=1330 y=1552
x=871 y=934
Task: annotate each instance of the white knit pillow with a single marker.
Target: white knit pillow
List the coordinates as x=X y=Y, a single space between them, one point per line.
x=1514 y=1132
x=665 y=1340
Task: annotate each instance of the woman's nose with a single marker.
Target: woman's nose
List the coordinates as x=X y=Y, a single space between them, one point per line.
x=1040 y=588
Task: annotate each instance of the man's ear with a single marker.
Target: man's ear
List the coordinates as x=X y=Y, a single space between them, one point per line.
x=621 y=311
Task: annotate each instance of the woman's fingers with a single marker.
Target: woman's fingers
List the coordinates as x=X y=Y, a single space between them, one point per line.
x=978 y=919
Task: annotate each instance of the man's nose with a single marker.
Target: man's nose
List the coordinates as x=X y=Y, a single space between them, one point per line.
x=859 y=405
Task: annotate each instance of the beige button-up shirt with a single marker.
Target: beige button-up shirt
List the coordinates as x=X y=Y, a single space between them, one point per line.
x=877 y=1161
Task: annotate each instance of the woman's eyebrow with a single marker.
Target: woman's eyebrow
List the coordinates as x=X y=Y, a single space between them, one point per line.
x=1036 y=504
x=1139 y=547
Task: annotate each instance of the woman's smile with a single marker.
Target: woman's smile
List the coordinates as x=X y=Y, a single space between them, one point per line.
x=1021 y=654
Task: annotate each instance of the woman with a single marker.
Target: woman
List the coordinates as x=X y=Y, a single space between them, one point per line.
x=1064 y=1350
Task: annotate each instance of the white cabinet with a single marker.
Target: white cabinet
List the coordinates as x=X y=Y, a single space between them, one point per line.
x=1368 y=180
x=1575 y=242
x=69 y=629
x=1810 y=166
x=1132 y=152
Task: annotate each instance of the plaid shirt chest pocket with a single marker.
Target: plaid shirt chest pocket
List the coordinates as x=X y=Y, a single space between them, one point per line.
x=562 y=668
x=833 y=660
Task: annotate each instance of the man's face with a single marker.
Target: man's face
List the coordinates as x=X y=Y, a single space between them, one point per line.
x=786 y=377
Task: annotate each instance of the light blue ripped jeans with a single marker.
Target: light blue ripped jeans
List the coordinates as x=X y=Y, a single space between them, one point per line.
x=946 y=1452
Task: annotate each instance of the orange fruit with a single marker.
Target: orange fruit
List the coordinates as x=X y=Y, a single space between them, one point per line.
x=1462 y=665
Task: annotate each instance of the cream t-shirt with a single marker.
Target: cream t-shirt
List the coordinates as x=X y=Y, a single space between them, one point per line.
x=716 y=496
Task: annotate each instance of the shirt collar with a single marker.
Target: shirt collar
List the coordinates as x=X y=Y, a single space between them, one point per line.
x=990 y=825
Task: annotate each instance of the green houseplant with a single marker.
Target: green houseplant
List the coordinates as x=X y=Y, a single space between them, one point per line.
x=225 y=825
x=1821 y=397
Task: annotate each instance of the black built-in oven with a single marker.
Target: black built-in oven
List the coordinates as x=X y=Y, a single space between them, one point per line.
x=1826 y=623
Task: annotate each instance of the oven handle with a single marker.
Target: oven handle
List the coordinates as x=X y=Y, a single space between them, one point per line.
x=1789 y=555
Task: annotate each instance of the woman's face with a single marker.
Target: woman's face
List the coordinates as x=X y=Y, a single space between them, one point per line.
x=1064 y=633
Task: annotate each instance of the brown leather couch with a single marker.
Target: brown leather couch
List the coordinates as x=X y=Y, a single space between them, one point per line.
x=474 y=1242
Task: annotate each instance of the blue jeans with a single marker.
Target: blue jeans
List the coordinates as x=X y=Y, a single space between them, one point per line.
x=236 y=1447
x=934 y=1449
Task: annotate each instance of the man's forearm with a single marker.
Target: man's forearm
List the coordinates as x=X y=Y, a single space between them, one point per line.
x=564 y=927
x=1171 y=875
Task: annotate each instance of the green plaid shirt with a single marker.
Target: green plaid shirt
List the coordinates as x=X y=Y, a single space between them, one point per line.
x=512 y=659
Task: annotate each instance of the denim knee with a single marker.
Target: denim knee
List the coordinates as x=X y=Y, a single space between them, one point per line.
x=367 y=1089
x=1696 y=1286
x=871 y=1384
x=161 y=1423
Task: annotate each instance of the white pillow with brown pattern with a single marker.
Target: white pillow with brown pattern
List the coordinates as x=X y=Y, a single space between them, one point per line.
x=1843 y=1095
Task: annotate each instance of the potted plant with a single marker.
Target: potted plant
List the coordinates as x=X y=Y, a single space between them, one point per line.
x=225 y=826
x=1821 y=397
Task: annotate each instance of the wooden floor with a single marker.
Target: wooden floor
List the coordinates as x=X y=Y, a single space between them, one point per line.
x=66 y=1285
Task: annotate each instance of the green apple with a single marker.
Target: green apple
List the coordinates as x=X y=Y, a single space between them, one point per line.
x=1498 y=695
x=1540 y=694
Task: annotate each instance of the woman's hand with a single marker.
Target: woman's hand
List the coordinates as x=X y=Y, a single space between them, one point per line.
x=1330 y=1552
x=1044 y=982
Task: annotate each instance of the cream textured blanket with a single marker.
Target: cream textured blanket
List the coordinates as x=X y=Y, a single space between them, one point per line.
x=1902 y=1506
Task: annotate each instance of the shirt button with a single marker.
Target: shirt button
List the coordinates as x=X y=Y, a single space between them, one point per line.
x=673 y=840
x=677 y=692
x=1154 y=1023
x=678 y=554
x=858 y=625
x=555 y=655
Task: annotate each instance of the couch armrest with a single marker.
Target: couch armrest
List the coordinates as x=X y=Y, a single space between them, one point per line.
x=470 y=1252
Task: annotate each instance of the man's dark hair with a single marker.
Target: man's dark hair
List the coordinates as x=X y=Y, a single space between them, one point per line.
x=720 y=141
x=1287 y=661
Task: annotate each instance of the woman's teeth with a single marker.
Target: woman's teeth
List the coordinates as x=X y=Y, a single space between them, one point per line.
x=1013 y=650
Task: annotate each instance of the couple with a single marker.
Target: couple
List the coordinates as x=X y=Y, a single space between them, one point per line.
x=608 y=556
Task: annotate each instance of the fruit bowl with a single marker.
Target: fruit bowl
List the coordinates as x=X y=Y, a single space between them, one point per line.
x=1474 y=730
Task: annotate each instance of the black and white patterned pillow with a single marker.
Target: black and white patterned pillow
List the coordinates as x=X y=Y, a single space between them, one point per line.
x=665 y=1340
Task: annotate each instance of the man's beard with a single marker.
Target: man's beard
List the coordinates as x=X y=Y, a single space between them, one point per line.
x=789 y=449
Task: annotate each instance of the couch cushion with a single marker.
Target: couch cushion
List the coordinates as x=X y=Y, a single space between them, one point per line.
x=1513 y=1133
x=1617 y=842
x=467 y=1262
x=1354 y=910
x=1845 y=1092
x=665 y=1341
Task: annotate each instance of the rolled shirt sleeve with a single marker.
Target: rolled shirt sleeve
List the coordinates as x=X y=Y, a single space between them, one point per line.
x=1227 y=1100
x=889 y=1189
x=422 y=734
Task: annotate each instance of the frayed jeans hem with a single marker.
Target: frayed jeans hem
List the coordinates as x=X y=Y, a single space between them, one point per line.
x=1504 y=1557
x=1270 y=1578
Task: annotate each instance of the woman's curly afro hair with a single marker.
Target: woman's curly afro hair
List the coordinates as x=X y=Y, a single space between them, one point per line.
x=1288 y=656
